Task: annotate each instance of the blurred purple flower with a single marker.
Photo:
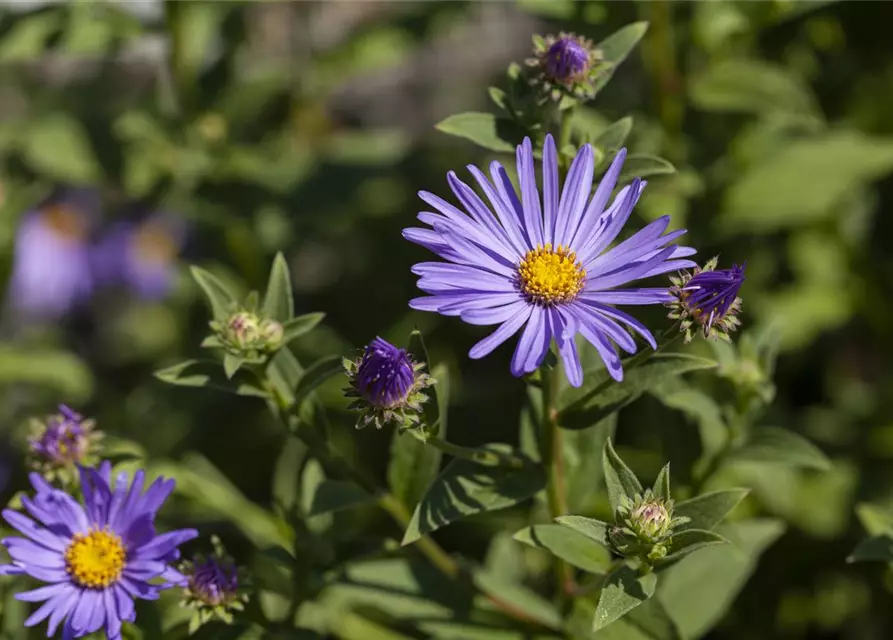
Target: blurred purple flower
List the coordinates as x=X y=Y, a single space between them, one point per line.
x=51 y=264
x=141 y=255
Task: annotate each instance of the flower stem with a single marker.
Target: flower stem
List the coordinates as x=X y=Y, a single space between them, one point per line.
x=553 y=459
x=479 y=456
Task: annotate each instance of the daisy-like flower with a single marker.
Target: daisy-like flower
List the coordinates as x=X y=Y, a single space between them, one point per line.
x=141 y=256
x=709 y=298
x=388 y=386
x=544 y=266
x=51 y=266
x=95 y=557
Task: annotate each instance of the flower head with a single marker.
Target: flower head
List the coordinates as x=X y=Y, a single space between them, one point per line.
x=95 y=558
x=387 y=385
x=245 y=333
x=51 y=266
x=565 y=64
x=707 y=297
x=213 y=586
x=141 y=255
x=644 y=526
x=63 y=442
x=545 y=266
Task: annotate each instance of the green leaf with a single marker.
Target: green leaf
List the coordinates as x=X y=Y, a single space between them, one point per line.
x=286 y=474
x=57 y=146
x=465 y=488
x=413 y=465
x=698 y=592
x=219 y=296
x=499 y=97
x=567 y=544
x=296 y=327
x=484 y=129
x=675 y=393
x=648 y=621
x=317 y=374
x=662 y=485
x=519 y=598
x=611 y=139
x=335 y=495
x=623 y=591
x=61 y=371
x=639 y=165
x=279 y=301
x=805 y=181
x=688 y=541
x=619 y=478
x=600 y=395
x=207 y=373
x=751 y=86
x=584 y=473
x=616 y=47
x=772 y=445
x=877 y=549
x=708 y=510
x=27 y=38
x=589 y=527
x=231 y=364
x=876 y=519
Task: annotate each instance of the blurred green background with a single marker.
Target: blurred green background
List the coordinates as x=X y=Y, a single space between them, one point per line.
x=308 y=127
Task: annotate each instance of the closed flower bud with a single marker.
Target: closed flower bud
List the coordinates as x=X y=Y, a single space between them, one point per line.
x=271 y=334
x=387 y=385
x=213 y=587
x=644 y=527
x=62 y=442
x=247 y=334
x=566 y=64
x=242 y=330
x=706 y=301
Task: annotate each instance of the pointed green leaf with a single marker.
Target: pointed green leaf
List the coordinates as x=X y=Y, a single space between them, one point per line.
x=623 y=591
x=296 y=327
x=484 y=129
x=708 y=510
x=640 y=165
x=317 y=374
x=877 y=549
x=567 y=544
x=616 y=47
x=206 y=373
x=611 y=139
x=499 y=97
x=519 y=598
x=698 y=592
x=58 y=146
x=335 y=495
x=61 y=371
x=583 y=462
x=286 y=474
x=619 y=478
x=465 y=488
x=600 y=395
x=688 y=541
x=220 y=298
x=662 y=484
x=876 y=518
x=772 y=445
x=698 y=406
x=414 y=465
x=231 y=364
x=279 y=300
x=591 y=528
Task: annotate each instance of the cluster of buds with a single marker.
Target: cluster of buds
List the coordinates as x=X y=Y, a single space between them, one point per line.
x=214 y=587
x=565 y=65
x=388 y=386
x=245 y=333
x=643 y=527
x=706 y=300
x=60 y=443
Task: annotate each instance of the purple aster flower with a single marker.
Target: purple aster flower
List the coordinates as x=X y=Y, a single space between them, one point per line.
x=567 y=60
x=64 y=439
x=708 y=297
x=95 y=558
x=213 y=587
x=387 y=384
x=544 y=266
x=51 y=265
x=142 y=256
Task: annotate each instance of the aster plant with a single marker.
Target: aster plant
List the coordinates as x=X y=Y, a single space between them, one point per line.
x=61 y=443
x=95 y=557
x=214 y=588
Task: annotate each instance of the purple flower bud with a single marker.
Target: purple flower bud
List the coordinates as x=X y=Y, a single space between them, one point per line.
x=385 y=375
x=65 y=439
x=707 y=297
x=567 y=60
x=213 y=581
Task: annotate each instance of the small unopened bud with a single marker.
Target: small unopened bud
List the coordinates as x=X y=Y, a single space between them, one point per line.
x=644 y=527
x=565 y=64
x=271 y=334
x=243 y=329
x=62 y=442
x=706 y=300
x=213 y=587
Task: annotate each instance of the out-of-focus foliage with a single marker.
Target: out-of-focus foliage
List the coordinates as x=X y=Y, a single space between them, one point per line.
x=306 y=128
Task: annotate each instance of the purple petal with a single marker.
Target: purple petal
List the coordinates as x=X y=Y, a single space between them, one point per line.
x=573 y=197
x=599 y=200
x=530 y=198
x=550 y=188
x=503 y=333
x=646 y=295
x=164 y=544
x=493 y=315
x=534 y=343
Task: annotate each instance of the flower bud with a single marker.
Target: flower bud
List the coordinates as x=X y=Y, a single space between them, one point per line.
x=643 y=527
x=566 y=64
x=247 y=335
x=271 y=334
x=388 y=386
x=708 y=298
x=61 y=442
x=213 y=587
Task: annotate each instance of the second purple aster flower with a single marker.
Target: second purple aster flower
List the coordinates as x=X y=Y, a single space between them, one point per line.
x=545 y=265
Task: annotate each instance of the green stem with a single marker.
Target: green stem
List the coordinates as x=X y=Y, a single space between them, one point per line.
x=551 y=452
x=478 y=456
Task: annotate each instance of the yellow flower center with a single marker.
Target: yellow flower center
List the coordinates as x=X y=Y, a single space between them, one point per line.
x=66 y=222
x=549 y=276
x=154 y=244
x=95 y=560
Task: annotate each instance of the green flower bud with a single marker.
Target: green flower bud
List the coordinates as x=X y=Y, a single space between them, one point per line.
x=644 y=527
